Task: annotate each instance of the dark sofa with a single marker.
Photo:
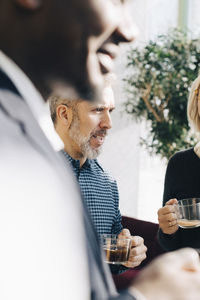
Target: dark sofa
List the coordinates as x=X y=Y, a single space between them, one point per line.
x=148 y=231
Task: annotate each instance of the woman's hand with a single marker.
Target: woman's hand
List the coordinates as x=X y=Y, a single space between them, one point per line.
x=167 y=218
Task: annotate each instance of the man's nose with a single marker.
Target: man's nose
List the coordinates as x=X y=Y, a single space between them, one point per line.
x=106 y=121
x=127 y=30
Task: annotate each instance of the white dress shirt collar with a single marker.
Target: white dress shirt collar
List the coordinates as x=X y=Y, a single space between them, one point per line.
x=33 y=99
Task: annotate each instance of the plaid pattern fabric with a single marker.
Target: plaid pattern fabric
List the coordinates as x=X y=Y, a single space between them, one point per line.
x=100 y=192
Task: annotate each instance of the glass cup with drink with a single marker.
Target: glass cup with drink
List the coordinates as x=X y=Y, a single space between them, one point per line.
x=116 y=248
x=188 y=212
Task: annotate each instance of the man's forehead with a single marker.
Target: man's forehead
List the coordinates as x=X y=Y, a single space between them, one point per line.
x=100 y=103
x=108 y=105
x=119 y=1
x=106 y=102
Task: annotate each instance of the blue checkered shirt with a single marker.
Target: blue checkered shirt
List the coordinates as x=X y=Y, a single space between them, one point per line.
x=100 y=192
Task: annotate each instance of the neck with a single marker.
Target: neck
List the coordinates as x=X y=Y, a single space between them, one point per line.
x=77 y=155
x=70 y=146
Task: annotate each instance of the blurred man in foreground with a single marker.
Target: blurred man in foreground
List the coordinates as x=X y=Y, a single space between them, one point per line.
x=48 y=247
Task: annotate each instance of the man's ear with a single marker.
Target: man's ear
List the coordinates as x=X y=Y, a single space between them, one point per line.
x=29 y=4
x=64 y=115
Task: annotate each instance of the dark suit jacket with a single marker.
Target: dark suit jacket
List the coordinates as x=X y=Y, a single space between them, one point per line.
x=22 y=137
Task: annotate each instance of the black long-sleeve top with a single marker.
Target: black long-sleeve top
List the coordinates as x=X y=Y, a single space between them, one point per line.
x=182 y=180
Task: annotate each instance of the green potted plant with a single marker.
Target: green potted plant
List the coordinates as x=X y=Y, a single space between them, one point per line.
x=157 y=87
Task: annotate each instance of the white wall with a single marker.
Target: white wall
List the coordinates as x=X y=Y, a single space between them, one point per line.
x=193 y=17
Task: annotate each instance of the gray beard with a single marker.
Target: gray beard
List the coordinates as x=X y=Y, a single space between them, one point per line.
x=83 y=142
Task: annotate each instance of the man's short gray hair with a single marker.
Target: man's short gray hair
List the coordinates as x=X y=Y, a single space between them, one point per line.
x=54 y=101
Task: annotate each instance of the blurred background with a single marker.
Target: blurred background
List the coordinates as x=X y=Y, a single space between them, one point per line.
x=140 y=176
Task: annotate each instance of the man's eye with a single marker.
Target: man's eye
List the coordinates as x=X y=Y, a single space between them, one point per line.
x=99 y=109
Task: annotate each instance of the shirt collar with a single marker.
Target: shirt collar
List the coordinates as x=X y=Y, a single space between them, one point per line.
x=33 y=99
x=76 y=163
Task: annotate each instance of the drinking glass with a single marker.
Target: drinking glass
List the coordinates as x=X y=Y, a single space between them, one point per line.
x=116 y=248
x=188 y=212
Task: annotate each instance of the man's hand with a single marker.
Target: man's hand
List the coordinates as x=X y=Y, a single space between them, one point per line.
x=167 y=218
x=175 y=275
x=138 y=249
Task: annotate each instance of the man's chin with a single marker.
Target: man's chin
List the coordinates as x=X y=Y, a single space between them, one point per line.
x=93 y=153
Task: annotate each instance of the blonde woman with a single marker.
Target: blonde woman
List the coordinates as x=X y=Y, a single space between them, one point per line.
x=182 y=180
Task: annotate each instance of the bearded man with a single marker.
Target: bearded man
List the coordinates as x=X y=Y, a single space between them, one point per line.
x=83 y=126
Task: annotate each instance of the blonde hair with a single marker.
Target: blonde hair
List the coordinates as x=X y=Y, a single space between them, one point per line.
x=192 y=107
